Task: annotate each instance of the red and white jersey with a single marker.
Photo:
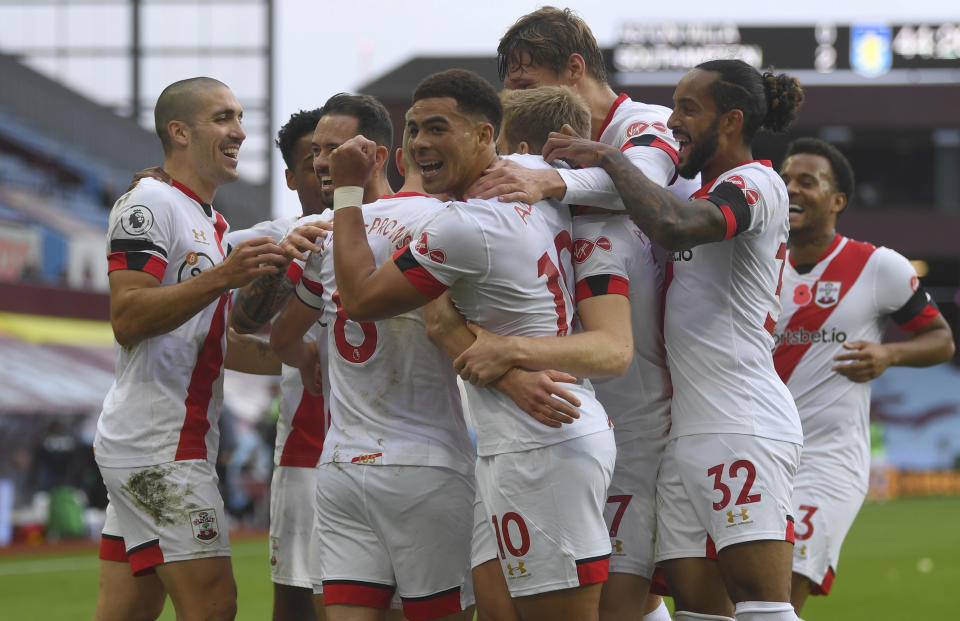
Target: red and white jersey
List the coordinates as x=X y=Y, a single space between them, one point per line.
x=393 y=393
x=721 y=308
x=629 y=125
x=846 y=296
x=165 y=402
x=506 y=267
x=612 y=256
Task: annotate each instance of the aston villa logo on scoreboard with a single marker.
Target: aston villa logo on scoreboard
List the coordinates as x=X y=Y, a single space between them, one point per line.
x=870 y=51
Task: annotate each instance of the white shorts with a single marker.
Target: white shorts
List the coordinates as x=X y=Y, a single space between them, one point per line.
x=631 y=509
x=716 y=490
x=483 y=548
x=403 y=528
x=545 y=506
x=825 y=506
x=163 y=513
x=294 y=557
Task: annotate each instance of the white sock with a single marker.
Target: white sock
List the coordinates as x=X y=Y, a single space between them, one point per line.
x=683 y=615
x=765 y=611
x=660 y=614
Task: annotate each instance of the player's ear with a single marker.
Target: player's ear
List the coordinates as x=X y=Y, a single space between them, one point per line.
x=291 y=182
x=523 y=147
x=485 y=134
x=381 y=155
x=838 y=203
x=398 y=158
x=732 y=122
x=179 y=133
x=576 y=68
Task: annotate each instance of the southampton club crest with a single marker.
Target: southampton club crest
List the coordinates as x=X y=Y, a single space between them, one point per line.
x=136 y=219
x=204 y=523
x=827 y=293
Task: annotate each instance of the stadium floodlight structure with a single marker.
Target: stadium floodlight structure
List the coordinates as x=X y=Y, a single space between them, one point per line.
x=122 y=53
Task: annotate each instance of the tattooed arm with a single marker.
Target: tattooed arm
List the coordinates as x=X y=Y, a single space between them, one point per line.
x=667 y=220
x=250 y=354
x=257 y=303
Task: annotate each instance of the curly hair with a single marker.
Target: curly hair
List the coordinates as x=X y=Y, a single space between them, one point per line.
x=474 y=96
x=840 y=168
x=301 y=124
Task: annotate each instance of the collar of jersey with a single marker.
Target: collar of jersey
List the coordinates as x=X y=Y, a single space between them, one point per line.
x=833 y=246
x=404 y=195
x=207 y=208
x=622 y=98
x=766 y=163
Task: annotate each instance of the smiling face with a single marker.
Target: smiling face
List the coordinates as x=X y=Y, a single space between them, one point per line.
x=304 y=179
x=695 y=122
x=815 y=202
x=215 y=135
x=332 y=131
x=450 y=149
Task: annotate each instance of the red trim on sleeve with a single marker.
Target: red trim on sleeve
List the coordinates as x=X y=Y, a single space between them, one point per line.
x=616 y=104
x=593 y=570
x=357 y=594
x=420 y=277
x=928 y=314
x=307 y=431
x=432 y=606
x=155 y=266
x=145 y=559
x=193 y=433
x=789 y=533
x=824 y=587
x=845 y=267
x=615 y=285
x=116 y=261
x=294 y=272
x=312 y=286
x=656 y=143
x=112 y=549
x=730 y=220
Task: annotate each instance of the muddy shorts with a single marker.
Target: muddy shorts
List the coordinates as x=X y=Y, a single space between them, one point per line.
x=163 y=513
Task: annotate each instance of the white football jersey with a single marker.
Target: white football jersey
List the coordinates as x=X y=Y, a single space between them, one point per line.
x=721 y=308
x=631 y=124
x=165 y=402
x=846 y=296
x=508 y=269
x=612 y=256
x=393 y=393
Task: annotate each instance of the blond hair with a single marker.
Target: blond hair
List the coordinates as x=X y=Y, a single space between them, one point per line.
x=530 y=115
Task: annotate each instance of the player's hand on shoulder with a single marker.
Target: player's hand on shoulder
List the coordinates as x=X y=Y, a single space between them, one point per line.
x=303 y=239
x=514 y=182
x=154 y=172
x=250 y=259
x=486 y=360
x=863 y=361
x=539 y=394
x=566 y=145
x=352 y=163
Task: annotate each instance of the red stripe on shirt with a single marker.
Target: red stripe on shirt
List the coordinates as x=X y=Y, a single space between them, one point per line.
x=209 y=366
x=845 y=268
x=219 y=228
x=294 y=272
x=308 y=429
x=616 y=104
x=928 y=314
x=420 y=277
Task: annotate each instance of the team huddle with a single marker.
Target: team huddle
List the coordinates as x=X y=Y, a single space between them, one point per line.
x=664 y=348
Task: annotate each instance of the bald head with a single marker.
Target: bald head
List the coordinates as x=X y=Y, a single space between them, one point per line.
x=180 y=102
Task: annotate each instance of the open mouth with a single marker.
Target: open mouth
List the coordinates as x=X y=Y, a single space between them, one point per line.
x=326 y=183
x=430 y=169
x=683 y=142
x=796 y=209
x=231 y=151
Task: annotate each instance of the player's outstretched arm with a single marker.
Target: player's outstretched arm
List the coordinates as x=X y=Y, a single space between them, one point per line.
x=250 y=354
x=930 y=345
x=140 y=307
x=366 y=293
x=538 y=393
x=667 y=220
x=603 y=349
x=514 y=182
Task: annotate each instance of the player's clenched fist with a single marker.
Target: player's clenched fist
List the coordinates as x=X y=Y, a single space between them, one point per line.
x=252 y=258
x=352 y=163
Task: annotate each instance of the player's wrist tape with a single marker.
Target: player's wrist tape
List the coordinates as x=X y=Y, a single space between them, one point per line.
x=347 y=196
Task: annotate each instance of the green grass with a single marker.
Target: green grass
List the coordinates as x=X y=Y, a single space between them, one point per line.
x=899 y=562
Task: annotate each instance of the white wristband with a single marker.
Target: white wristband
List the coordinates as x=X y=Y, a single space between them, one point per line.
x=347 y=196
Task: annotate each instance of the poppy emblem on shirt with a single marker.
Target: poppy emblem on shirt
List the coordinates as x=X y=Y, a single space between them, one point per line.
x=827 y=293
x=802 y=295
x=436 y=255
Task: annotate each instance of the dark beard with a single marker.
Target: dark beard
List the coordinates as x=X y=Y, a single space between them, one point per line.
x=702 y=150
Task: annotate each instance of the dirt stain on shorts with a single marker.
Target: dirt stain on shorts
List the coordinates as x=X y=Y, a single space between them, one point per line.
x=160 y=499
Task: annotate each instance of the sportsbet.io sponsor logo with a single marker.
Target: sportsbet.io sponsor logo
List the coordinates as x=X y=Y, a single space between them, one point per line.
x=804 y=336
x=193 y=264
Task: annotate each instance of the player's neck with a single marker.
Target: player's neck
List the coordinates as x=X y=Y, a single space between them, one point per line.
x=187 y=175
x=377 y=187
x=600 y=98
x=809 y=247
x=724 y=160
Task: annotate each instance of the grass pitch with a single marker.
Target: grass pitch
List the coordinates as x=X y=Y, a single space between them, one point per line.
x=899 y=562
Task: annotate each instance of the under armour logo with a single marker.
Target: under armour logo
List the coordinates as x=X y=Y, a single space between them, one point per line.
x=743 y=515
x=199 y=235
x=618 y=546
x=519 y=568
